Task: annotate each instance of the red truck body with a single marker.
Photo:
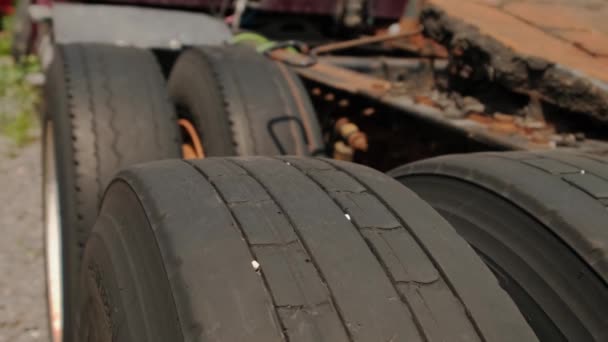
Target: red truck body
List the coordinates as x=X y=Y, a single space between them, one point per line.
x=6 y=7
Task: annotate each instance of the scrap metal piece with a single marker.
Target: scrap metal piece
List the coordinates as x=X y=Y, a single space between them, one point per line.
x=334 y=76
x=416 y=43
x=497 y=130
x=343 y=152
x=381 y=38
x=487 y=44
x=352 y=134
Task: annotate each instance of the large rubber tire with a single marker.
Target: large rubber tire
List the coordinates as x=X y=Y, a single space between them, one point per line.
x=263 y=249
x=540 y=221
x=108 y=108
x=244 y=104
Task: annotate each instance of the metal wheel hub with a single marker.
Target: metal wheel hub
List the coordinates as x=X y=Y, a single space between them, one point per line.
x=52 y=235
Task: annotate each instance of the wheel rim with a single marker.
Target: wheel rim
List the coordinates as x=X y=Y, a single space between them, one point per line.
x=52 y=233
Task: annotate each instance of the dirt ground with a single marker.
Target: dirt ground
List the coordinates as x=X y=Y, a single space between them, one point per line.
x=22 y=297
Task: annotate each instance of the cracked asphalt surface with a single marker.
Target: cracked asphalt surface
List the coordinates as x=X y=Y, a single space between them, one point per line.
x=22 y=294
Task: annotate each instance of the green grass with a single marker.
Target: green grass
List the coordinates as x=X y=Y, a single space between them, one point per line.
x=19 y=99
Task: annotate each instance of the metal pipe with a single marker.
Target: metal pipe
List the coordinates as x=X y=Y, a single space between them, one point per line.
x=331 y=47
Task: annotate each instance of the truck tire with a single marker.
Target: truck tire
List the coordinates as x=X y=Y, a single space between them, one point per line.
x=106 y=107
x=540 y=222
x=244 y=104
x=265 y=249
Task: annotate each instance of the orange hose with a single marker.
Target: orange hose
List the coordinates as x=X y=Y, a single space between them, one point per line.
x=197 y=146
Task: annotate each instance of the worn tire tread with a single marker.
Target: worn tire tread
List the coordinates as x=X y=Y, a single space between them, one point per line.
x=563 y=196
x=334 y=253
x=244 y=93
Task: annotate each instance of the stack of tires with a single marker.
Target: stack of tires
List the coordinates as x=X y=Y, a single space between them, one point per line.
x=109 y=107
x=234 y=247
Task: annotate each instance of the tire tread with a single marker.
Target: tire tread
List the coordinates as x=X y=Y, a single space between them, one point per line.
x=298 y=294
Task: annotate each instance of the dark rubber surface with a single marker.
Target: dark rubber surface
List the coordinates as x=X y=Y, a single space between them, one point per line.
x=540 y=220
x=109 y=108
x=244 y=103
x=344 y=252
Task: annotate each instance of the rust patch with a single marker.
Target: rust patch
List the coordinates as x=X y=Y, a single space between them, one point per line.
x=592 y=42
x=567 y=22
x=548 y=15
x=334 y=76
x=534 y=131
x=426 y=100
x=416 y=43
x=522 y=37
x=487 y=45
x=351 y=134
x=347 y=80
x=406 y=33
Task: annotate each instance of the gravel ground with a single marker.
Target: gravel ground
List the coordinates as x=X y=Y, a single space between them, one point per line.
x=22 y=297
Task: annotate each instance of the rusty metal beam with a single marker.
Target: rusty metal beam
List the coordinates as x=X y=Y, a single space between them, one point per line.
x=490 y=130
